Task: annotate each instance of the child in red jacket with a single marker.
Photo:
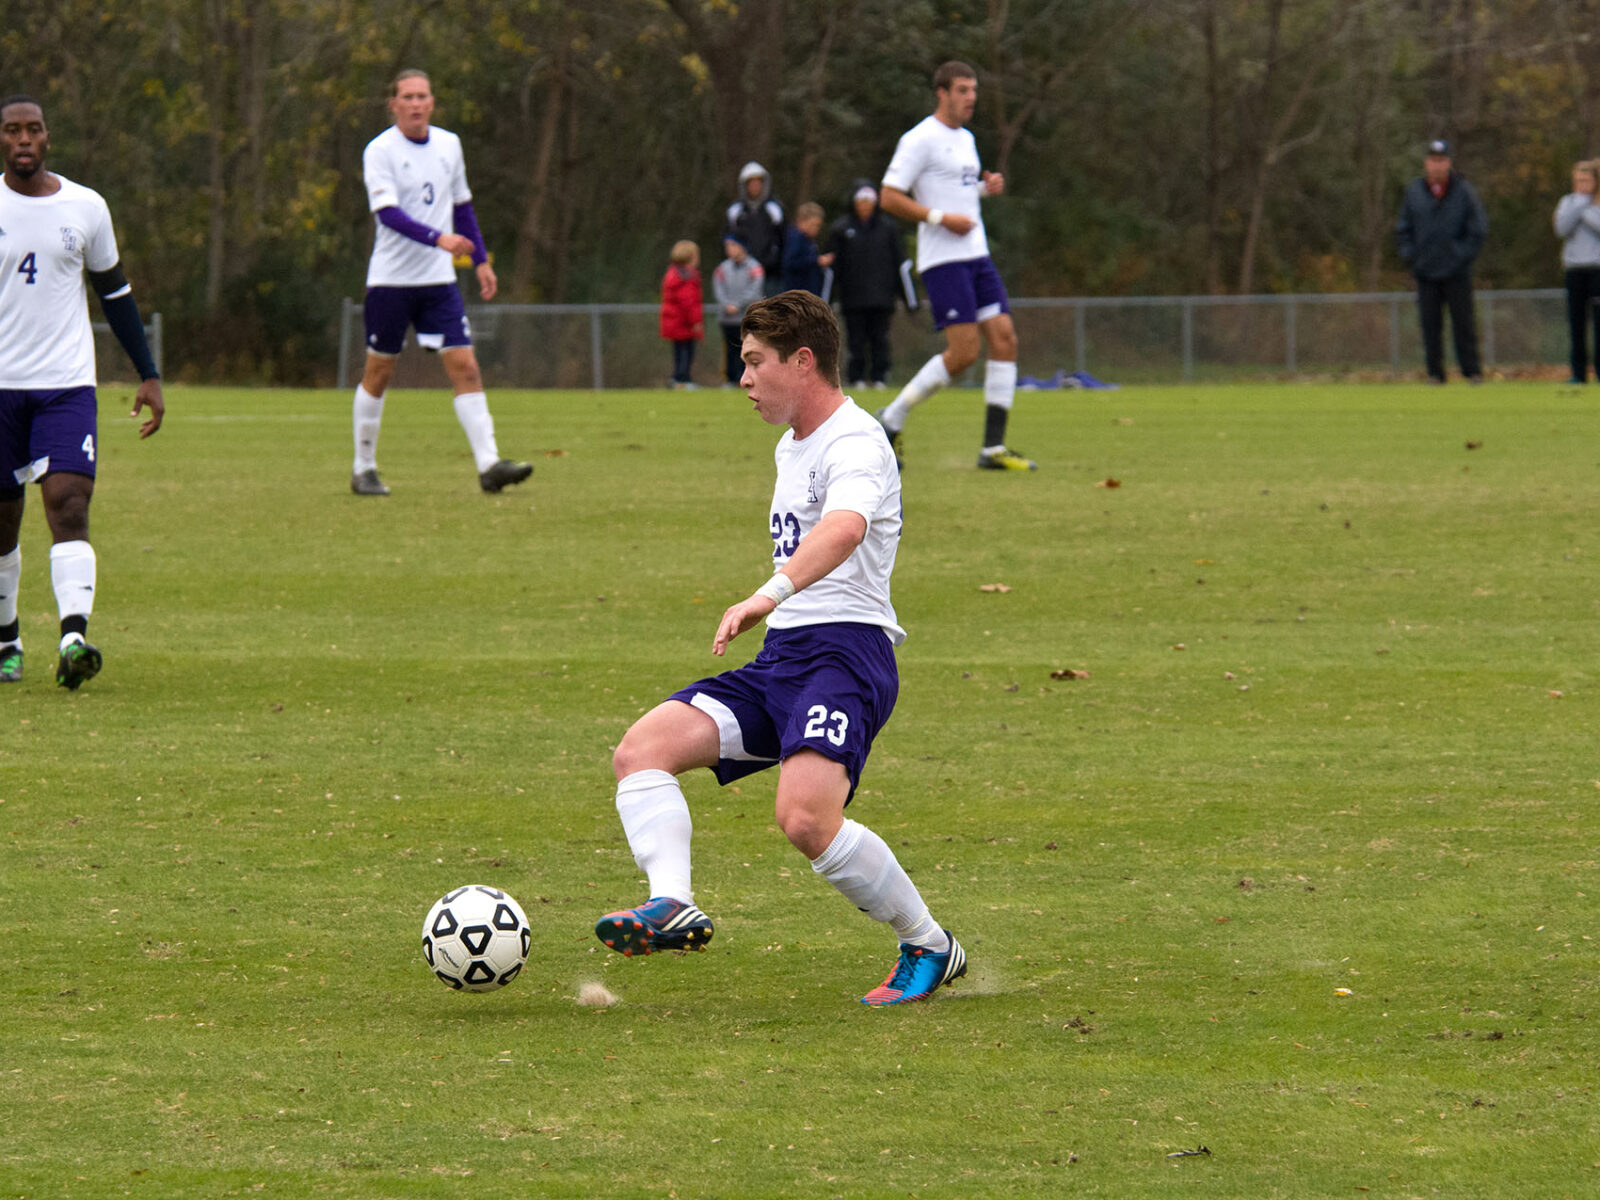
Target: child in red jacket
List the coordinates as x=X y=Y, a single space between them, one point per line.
x=683 y=310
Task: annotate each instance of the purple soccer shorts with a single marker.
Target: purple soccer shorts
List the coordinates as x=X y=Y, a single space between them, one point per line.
x=436 y=311
x=965 y=293
x=45 y=430
x=828 y=688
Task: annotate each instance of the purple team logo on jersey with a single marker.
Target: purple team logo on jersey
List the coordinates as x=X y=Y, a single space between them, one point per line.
x=811 y=490
x=69 y=239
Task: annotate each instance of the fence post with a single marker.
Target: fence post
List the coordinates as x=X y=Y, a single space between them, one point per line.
x=599 y=372
x=1289 y=311
x=1079 y=337
x=1394 y=337
x=1488 y=329
x=1187 y=311
x=345 y=305
x=157 y=342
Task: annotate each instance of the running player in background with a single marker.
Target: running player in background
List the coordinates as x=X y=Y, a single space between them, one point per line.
x=52 y=231
x=823 y=685
x=935 y=179
x=416 y=182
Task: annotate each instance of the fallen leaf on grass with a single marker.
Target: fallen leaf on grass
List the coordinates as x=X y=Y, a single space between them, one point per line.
x=1555 y=695
x=1069 y=673
x=1108 y=483
x=555 y=453
x=1473 y=445
x=994 y=587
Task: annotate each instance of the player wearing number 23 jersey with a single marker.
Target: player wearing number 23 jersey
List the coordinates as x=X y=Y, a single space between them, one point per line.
x=823 y=685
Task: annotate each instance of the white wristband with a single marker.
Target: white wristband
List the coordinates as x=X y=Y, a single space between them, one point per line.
x=935 y=217
x=777 y=589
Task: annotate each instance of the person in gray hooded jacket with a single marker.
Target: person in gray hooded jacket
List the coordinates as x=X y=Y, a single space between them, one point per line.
x=757 y=219
x=1441 y=228
x=1577 y=223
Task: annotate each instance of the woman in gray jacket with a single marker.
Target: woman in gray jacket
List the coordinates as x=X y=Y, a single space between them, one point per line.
x=1577 y=224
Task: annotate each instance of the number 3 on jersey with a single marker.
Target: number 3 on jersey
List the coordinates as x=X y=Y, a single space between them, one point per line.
x=822 y=723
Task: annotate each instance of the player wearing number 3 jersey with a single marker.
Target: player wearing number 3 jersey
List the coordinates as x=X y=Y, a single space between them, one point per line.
x=822 y=686
x=52 y=233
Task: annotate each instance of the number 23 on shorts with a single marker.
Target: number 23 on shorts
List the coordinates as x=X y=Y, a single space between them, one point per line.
x=822 y=723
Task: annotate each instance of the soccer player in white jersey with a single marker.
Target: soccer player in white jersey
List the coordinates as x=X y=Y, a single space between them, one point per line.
x=416 y=182
x=822 y=686
x=935 y=179
x=52 y=231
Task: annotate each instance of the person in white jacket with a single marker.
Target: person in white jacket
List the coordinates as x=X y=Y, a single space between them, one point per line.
x=1577 y=223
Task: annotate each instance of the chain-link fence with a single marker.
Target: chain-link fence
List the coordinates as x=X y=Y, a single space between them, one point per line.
x=1131 y=339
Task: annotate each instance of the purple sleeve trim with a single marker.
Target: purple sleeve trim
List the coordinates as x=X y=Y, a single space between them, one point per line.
x=466 y=223
x=397 y=220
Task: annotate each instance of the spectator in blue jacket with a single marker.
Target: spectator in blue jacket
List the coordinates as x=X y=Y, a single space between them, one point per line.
x=802 y=261
x=1441 y=229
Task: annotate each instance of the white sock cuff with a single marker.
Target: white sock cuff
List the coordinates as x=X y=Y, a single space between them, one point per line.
x=1000 y=384
x=641 y=781
x=70 y=551
x=840 y=849
x=367 y=399
x=7 y=561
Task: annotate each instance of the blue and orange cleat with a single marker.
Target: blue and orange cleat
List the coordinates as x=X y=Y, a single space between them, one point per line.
x=918 y=974
x=659 y=924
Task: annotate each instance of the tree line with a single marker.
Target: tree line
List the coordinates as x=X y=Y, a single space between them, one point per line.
x=1151 y=146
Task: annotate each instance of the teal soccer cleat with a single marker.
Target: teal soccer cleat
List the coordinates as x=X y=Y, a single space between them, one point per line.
x=918 y=974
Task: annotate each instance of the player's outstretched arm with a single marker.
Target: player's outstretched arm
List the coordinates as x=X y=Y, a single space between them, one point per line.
x=830 y=542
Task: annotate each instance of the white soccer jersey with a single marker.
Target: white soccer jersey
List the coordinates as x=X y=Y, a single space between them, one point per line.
x=46 y=243
x=938 y=166
x=427 y=180
x=845 y=464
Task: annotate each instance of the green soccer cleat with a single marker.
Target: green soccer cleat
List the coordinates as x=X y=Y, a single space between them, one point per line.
x=660 y=924
x=367 y=483
x=11 y=664
x=79 y=661
x=1005 y=460
x=918 y=974
x=503 y=474
x=896 y=440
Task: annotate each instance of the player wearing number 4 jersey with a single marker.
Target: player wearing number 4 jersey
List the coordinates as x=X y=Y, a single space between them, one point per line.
x=822 y=686
x=52 y=231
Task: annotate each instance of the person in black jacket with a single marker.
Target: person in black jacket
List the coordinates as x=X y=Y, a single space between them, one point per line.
x=870 y=270
x=1441 y=228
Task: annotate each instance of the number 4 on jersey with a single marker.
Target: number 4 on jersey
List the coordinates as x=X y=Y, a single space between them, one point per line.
x=29 y=266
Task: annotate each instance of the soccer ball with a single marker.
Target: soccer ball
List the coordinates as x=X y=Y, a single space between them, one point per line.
x=476 y=938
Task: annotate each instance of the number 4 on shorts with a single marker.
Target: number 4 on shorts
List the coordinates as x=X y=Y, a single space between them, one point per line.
x=88 y=446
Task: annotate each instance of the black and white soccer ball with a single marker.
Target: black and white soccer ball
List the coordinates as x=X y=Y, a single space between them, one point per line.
x=476 y=938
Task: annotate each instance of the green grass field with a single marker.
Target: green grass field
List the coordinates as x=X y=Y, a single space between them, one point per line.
x=1337 y=735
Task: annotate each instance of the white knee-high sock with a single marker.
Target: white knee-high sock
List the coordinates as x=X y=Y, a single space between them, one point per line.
x=472 y=410
x=923 y=384
x=366 y=415
x=72 y=575
x=10 y=581
x=655 y=816
x=861 y=866
x=1000 y=384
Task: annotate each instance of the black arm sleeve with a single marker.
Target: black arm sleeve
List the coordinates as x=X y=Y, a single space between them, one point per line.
x=122 y=314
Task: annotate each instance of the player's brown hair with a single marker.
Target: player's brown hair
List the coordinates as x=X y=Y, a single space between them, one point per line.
x=951 y=71
x=792 y=320
x=402 y=76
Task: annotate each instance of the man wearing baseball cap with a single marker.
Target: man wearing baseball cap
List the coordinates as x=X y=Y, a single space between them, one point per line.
x=1440 y=230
